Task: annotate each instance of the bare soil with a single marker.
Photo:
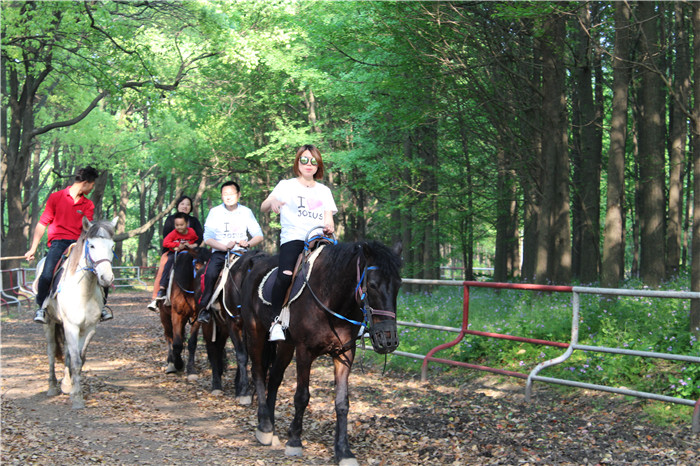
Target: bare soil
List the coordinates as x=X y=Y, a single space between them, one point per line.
x=136 y=414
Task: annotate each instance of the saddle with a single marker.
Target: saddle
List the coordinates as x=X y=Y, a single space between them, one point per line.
x=300 y=275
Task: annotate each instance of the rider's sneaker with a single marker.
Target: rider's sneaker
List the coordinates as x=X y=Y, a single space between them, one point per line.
x=106 y=314
x=204 y=316
x=276 y=332
x=40 y=316
x=153 y=306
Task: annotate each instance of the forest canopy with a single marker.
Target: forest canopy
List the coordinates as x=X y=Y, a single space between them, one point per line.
x=552 y=141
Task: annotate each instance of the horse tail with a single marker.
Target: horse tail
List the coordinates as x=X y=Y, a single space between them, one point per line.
x=59 y=336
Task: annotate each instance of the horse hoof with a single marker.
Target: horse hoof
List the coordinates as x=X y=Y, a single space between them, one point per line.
x=348 y=462
x=276 y=442
x=66 y=388
x=293 y=451
x=192 y=377
x=245 y=400
x=217 y=393
x=265 y=438
x=170 y=369
x=53 y=391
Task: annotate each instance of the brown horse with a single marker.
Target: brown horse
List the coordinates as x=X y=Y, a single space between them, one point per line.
x=353 y=286
x=179 y=307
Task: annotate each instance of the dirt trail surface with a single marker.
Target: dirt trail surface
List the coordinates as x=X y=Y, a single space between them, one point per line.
x=136 y=414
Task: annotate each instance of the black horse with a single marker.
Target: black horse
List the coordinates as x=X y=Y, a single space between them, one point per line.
x=352 y=286
x=227 y=323
x=180 y=308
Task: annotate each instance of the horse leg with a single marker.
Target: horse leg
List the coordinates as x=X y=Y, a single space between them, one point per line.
x=84 y=344
x=257 y=349
x=243 y=392
x=191 y=350
x=178 y=340
x=343 y=365
x=51 y=348
x=168 y=333
x=301 y=400
x=76 y=365
x=213 y=354
x=283 y=356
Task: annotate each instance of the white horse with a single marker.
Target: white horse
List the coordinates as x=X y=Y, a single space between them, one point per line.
x=74 y=309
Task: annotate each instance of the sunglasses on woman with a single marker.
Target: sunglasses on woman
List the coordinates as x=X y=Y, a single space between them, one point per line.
x=304 y=160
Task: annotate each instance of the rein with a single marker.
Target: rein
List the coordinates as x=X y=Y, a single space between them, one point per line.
x=360 y=297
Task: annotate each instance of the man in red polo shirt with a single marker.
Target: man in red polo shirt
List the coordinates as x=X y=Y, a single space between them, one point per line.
x=63 y=216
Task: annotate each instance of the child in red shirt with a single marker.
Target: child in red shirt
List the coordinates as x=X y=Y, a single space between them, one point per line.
x=181 y=238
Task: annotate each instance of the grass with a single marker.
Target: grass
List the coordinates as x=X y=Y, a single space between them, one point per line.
x=640 y=323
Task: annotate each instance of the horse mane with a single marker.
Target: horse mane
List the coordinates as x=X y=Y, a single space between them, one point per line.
x=98 y=229
x=343 y=255
x=183 y=267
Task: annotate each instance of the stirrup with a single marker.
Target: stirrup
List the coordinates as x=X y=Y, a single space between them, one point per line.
x=204 y=316
x=40 y=316
x=106 y=314
x=276 y=332
x=153 y=305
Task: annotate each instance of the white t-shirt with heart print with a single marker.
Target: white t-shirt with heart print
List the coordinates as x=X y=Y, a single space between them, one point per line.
x=303 y=209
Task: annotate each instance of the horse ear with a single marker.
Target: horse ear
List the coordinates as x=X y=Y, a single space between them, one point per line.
x=114 y=222
x=398 y=248
x=86 y=224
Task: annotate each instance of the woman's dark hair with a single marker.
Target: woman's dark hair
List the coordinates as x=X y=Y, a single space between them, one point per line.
x=315 y=153
x=88 y=174
x=182 y=198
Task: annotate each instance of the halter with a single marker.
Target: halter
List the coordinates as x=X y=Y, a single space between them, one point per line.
x=91 y=264
x=383 y=333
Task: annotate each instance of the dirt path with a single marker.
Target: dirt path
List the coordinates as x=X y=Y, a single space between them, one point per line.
x=135 y=414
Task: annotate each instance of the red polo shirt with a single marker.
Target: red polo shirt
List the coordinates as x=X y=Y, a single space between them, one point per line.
x=65 y=217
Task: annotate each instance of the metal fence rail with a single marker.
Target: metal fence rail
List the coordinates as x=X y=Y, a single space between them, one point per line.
x=570 y=347
x=18 y=290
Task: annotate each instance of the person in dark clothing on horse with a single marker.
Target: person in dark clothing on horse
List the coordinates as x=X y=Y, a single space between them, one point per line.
x=63 y=217
x=184 y=204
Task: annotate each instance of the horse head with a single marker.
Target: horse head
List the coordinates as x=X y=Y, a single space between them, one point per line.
x=98 y=247
x=380 y=286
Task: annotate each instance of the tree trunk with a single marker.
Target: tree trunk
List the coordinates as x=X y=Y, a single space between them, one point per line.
x=681 y=87
x=695 y=267
x=652 y=265
x=554 y=231
x=613 y=238
x=588 y=191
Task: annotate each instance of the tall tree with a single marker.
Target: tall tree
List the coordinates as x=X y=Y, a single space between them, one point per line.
x=695 y=265
x=554 y=231
x=587 y=147
x=652 y=207
x=613 y=266
x=678 y=139
x=51 y=47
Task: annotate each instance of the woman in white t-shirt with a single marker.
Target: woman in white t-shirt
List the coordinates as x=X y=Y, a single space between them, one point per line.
x=303 y=204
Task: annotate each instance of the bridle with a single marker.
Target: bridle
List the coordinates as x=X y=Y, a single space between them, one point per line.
x=383 y=333
x=92 y=264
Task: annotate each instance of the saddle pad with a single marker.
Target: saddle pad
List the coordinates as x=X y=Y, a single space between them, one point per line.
x=265 y=289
